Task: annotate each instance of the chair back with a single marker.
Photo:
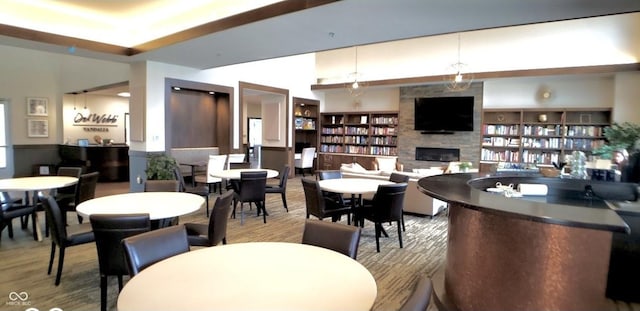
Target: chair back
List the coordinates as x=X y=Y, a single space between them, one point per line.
x=55 y=221
x=87 y=187
x=388 y=202
x=420 y=296
x=109 y=231
x=147 y=248
x=306 y=157
x=329 y=174
x=334 y=236
x=313 y=197
x=178 y=175
x=70 y=172
x=252 y=186
x=220 y=215
x=216 y=163
x=284 y=176
x=235 y=158
x=398 y=178
x=161 y=186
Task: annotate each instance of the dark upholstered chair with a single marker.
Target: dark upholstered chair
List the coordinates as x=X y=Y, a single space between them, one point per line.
x=251 y=189
x=61 y=235
x=216 y=231
x=162 y=186
x=420 y=296
x=334 y=174
x=86 y=191
x=386 y=206
x=399 y=178
x=329 y=174
x=281 y=187
x=334 y=236
x=147 y=248
x=11 y=208
x=320 y=206
x=200 y=190
x=67 y=195
x=109 y=231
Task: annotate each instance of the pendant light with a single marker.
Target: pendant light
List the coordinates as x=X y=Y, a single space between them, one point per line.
x=356 y=88
x=458 y=78
x=85 y=110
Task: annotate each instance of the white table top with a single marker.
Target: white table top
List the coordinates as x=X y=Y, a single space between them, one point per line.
x=252 y=276
x=36 y=183
x=352 y=185
x=158 y=205
x=234 y=173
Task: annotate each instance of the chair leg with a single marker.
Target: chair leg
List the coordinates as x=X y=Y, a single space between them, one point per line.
x=206 y=199
x=399 y=234
x=60 y=263
x=264 y=211
x=10 y=227
x=33 y=225
x=103 y=292
x=284 y=201
x=53 y=253
x=233 y=213
x=377 y=229
x=403 y=228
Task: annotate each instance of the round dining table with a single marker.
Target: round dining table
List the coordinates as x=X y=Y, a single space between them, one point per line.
x=352 y=185
x=35 y=184
x=252 y=276
x=234 y=173
x=159 y=205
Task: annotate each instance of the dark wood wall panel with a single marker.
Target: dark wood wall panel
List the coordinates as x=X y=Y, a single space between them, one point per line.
x=193 y=120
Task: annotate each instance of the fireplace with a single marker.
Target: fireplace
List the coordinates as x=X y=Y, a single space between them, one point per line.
x=437 y=154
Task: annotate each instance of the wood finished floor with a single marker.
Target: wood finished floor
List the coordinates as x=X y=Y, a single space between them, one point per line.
x=24 y=261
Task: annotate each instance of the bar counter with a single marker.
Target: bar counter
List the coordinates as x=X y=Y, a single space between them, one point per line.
x=112 y=162
x=531 y=253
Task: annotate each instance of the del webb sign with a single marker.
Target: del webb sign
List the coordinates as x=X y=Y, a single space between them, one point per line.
x=95 y=122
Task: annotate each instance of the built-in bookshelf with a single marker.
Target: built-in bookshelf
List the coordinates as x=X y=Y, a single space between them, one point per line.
x=364 y=133
x=541 y=136
x=306 y=124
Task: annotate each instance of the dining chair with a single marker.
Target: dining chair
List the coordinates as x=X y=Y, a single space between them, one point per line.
x=321 y=206
x=281 y=187
x=386 y=206
x=62 y=235
x=67 y=195
x=399 y=178
x=162 y=186
x=145 y=249
x=215 y=231
x=109 y=231
x=215 y=163
x=251 y=189
x=334 y=174
x=341 y=238
x=11 y=208
x=202 y=191
x=420 y=297
x=86 y=191
x=306 y=159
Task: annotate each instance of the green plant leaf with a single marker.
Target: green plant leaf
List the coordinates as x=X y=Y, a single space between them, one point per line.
x=160 y=167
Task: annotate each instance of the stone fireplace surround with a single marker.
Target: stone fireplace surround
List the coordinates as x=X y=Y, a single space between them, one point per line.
x=409 y=139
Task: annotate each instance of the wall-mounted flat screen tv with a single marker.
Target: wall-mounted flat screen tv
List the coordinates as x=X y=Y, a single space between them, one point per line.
x=444 y=114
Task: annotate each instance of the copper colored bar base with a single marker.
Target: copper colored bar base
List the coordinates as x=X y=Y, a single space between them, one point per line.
x=495 y=262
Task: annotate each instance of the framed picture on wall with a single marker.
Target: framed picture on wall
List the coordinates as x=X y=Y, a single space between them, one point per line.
x=37 y=128
x=37 y=106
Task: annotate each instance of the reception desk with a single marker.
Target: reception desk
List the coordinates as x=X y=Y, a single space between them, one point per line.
x=112 y=162
x=539 y=253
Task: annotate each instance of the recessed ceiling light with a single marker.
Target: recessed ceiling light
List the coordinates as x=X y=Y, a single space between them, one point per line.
x=212 y=92
x=175 y=88
x=124 y=94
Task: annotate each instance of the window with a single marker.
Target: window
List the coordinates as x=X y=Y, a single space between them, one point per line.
x=3 y=134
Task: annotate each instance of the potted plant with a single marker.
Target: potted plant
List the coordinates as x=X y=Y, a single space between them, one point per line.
x=160 y=167
x=619 y=136
x=464 y=166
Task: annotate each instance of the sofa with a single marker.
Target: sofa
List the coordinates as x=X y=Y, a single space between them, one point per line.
x=415 y=202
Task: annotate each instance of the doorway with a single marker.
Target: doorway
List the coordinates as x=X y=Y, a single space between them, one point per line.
x=254 y=133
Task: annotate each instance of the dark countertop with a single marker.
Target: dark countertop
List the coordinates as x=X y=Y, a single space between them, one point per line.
x=564 y=205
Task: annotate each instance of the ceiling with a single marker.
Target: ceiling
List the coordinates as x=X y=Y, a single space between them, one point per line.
x=278 y=29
